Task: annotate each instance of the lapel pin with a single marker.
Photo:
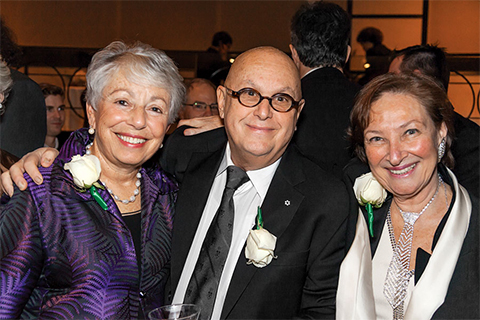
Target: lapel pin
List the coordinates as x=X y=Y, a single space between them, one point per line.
x=287 y=202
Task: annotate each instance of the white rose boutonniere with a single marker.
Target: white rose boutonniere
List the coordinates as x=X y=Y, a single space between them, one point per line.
x=369 y=193
x=260 y=247
x=85 y=172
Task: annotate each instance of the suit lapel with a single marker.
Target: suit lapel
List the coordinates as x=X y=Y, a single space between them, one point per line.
x=191 y=202
x=280 y=205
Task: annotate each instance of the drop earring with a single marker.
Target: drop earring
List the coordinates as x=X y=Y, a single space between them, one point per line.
x=441 y=150
x=91 y=131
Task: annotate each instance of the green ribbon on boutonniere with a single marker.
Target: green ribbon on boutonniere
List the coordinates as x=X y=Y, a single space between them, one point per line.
x=98 y=197
x=259 y=218
x=369 y=208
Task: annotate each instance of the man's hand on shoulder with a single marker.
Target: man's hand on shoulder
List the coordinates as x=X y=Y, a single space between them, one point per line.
x=200 y=125
x=29 y=163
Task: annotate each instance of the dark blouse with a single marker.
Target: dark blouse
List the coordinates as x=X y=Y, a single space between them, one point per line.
x=133 y=220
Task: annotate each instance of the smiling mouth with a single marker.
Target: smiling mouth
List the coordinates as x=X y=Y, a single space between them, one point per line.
x=405 y=170
x=260 y=129
x=131 y=139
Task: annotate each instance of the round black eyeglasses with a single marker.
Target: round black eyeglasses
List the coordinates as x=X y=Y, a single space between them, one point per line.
x=250 y=98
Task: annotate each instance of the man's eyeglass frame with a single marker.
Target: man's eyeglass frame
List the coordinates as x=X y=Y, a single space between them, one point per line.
x=236 y=95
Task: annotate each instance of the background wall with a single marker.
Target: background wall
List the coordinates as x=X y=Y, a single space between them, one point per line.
x=168 y=25
x=189 y=25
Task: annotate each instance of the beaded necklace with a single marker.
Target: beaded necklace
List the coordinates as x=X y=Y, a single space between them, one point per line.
x=136 y=192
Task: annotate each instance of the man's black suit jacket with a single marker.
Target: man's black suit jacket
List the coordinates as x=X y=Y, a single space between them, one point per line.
x=321 y=128
x=305 y=208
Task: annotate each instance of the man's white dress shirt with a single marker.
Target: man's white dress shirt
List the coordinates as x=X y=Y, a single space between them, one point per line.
x=247 y=198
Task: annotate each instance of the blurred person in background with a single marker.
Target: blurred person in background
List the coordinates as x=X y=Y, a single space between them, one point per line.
x=6 y=159
x=377 y=54
x=23 y=125
x=54 y=101
x=200 y=109
x=200 y=99
x=5 y=85
x=320 y=36
x=221 y=44
x=214 y=63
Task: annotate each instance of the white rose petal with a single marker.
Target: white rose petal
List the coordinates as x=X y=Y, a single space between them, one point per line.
x=368 y=190
x=260 y=247
x=85 y=170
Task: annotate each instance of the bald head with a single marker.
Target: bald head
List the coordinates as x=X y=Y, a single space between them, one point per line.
x=262 y=60
x=258 y=135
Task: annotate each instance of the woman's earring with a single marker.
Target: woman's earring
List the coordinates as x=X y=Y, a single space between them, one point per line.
x=91 y=131
x=441 y=150
x=161 y=146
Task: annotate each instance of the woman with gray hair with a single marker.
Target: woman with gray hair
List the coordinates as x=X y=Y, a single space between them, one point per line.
x=93 y=241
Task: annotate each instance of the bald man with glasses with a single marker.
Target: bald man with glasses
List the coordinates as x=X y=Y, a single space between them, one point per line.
x=301 y=205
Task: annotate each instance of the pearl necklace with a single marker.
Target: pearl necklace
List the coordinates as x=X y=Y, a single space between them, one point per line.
x=87 y=148
x=136 y=192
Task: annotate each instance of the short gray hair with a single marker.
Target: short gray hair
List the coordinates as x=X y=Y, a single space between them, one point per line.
x=6 y=81
x=145 y=65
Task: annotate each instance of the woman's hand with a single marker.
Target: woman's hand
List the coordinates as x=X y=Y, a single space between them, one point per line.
x=29 y=163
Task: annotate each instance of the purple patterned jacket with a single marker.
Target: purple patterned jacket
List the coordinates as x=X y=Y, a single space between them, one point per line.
x=63 y=257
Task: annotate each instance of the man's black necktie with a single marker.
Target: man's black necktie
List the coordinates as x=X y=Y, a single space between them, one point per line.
x=203 y=285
